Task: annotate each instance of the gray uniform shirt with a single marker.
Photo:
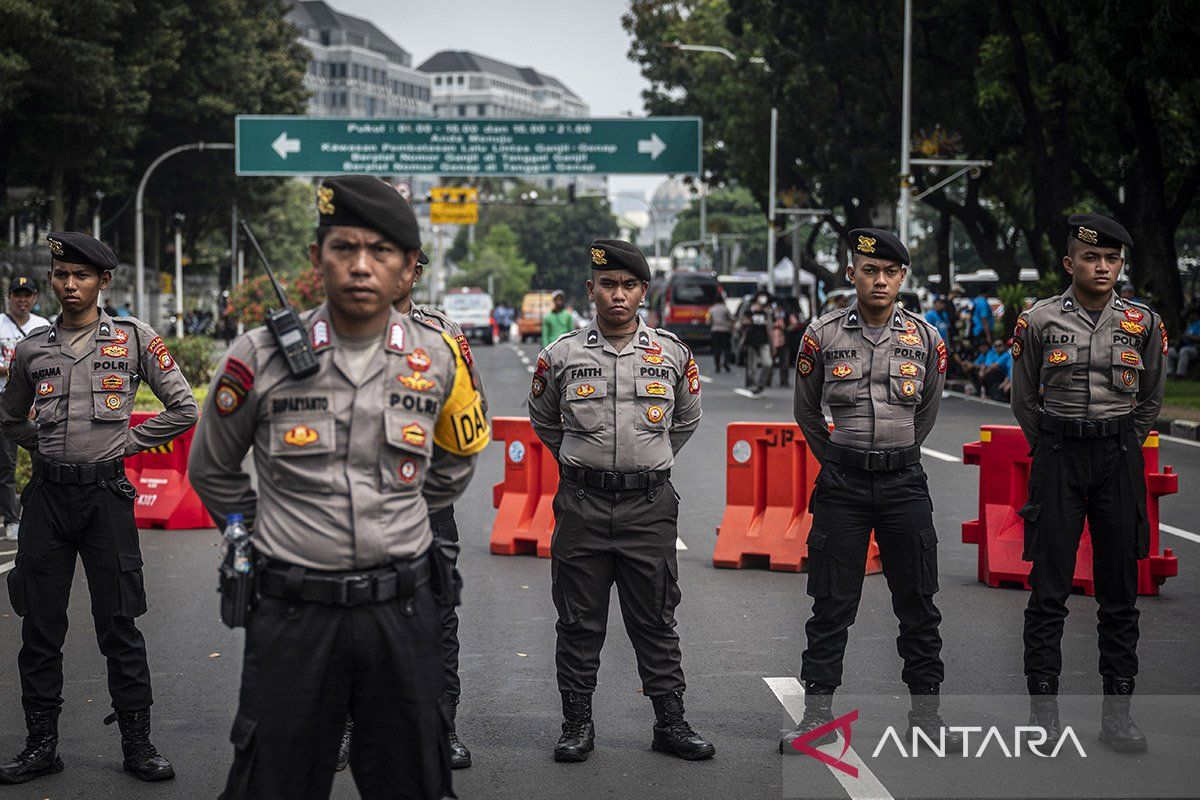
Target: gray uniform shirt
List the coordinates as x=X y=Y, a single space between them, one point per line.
x=719 y=318
x=82 y=399
x=627 y=411
x=883 y=391
x=347 y=467
x=1068 y=366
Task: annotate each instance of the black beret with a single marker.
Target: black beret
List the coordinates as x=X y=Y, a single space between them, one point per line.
x=23 y=283
x=362 y=201
x=80 y=248
x=616 y=254
x=1099 y=230
x=878 y=243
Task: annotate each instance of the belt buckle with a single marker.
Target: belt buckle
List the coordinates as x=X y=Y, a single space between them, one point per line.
x=359 y=590
x=876 y=460
x=612 y=481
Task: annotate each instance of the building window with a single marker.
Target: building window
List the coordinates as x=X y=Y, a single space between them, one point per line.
x=460 y=80
x=437 y=81
x=482 y=110
x=462 y=110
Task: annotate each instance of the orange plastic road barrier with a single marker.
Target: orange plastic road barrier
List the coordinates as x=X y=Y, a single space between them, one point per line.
x=769 y=476
x=165 y=498
x=524 y=522
x=1002 y=457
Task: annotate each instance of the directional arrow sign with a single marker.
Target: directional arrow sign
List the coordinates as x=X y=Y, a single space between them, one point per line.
x=654 y=146
x=500 y=147
x=283 y=145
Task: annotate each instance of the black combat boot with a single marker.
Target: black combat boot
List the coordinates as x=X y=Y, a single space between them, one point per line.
x=1043 y=708
x=673 y=735
x=460 y=756
x=1117 y=730
x=818 y=705
x=40 y=756
x=141 y=757
x=343 y=758
x=924 y=715
x=578 y=734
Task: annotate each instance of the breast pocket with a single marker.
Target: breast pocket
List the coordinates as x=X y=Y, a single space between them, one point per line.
x=112 y=397
x=1127 y=369
x=302 y=450
x=655 y=403
x=48 y=404
x=1058 y=362
x=408 y=450
x=584 y=406
x=841 y=381
x=906 y=379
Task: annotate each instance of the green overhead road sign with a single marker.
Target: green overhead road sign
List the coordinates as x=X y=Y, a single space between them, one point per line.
x=502 y=147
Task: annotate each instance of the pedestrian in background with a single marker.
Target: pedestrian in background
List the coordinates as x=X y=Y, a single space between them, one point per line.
x=1088 y=380
x=614 y=402
x=880 y=368
x=558 y=320
x=1186 y=352
x=983 y=319
x=15 y=324
x=720 y=323
x=80 y=376
x=758 y=322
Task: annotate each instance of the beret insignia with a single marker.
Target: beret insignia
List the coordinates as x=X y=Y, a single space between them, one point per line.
x=1087 y=235
x=325 y=200
x=598 y=257
x=55 y=246
x=866 y=244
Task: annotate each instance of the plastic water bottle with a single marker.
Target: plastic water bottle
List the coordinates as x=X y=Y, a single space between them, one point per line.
x=239 y=539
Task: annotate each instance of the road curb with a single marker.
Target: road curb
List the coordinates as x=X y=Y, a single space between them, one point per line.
x=1181 y=428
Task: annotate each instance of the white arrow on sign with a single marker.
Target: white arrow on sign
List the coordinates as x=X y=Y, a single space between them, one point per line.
x=654 y=146
x=283 y=145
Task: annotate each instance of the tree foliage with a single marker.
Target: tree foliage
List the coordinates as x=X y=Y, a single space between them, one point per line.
x=499 y=257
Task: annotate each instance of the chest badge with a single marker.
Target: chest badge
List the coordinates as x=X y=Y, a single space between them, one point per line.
x=908 y=388
x=419 y=360
x=407 y=470
x=1132 y=327
x=301 y=436
x=910 y=339
x=1127 y=377
x=44 y=388
x=112 y=383
x=1133 y=315
x=1131 y=358
x=585 y=390
x=115 y=350
x=842 y=370
x=653 y=358
x=657 y=389
x=654 y=414
x=908 y=369
x=120 y=336
x=1057 y=357
x=417 y=382
x=113 y=401
x=414 y=434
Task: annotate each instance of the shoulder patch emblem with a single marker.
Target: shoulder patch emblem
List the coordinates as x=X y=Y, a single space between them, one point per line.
x=1017 y=348
x=804 y=365
x=465 y=347
x=542 y=367
x=1162 y=329
x=943 y=358
x=811 y=346
x=538 y=387
x=232 y=387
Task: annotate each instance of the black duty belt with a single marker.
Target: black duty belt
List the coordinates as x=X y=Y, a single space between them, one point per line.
x=873 y=460
x=1087 y=428
x=78 y=473
x=295 y=583
x=615 y=481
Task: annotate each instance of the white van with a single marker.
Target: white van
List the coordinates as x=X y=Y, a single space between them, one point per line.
x=472 y=310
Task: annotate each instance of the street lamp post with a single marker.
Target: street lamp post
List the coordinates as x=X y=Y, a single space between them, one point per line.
x=653 y=218
x=178 y=226
x=708 y=48
x=139 y=225
x=905 y=127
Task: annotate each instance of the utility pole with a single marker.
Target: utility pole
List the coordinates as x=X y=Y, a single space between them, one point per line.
x=177 y=224
x=905 y=129
x=771 y=203
x=99 y=196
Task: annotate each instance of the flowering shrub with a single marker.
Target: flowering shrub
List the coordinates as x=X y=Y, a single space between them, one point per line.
x=253 y=300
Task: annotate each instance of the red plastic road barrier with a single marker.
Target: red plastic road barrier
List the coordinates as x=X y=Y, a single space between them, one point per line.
x=1002 y=457
x=524 y=523
x=165 y=497
x=769 y=476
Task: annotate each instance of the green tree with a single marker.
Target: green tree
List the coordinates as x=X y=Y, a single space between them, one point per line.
x=733 y=211
x=499 y=257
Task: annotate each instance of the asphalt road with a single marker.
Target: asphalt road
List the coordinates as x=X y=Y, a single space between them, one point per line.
x=738 y=629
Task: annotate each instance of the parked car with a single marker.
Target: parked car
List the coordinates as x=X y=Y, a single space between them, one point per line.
x=472 y=310
x=679 y=303
x=534 y=306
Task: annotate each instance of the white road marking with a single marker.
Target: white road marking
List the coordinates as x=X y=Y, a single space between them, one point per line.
x=939 y=455
x=705 y=379
x=679 y=545
x=1177 y=440
x=6 y=567
x=530 y=369
x=745 y=393
x=1180 y=532
x=866 y=786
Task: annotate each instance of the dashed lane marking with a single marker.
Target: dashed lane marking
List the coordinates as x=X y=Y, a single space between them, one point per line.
x=745 y=393
x=679 y=545
x=939 y=455
x=866 y=786
x=1180 y=532
x=705 y=379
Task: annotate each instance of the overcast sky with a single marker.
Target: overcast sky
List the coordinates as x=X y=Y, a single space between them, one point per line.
x=580 y=42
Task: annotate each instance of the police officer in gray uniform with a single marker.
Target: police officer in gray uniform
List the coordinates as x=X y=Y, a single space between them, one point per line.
x=614 y=402
x=349 y=461
x=880 y=368
x=1088 y=378
x=80 y=376
x=445 y=528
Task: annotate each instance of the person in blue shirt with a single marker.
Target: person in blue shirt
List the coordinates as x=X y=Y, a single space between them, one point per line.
x=994 y=371
x=1180 y=357
x=939 y=317
x=983 y=321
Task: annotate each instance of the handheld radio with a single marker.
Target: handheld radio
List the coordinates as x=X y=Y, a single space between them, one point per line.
x=285 y=324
